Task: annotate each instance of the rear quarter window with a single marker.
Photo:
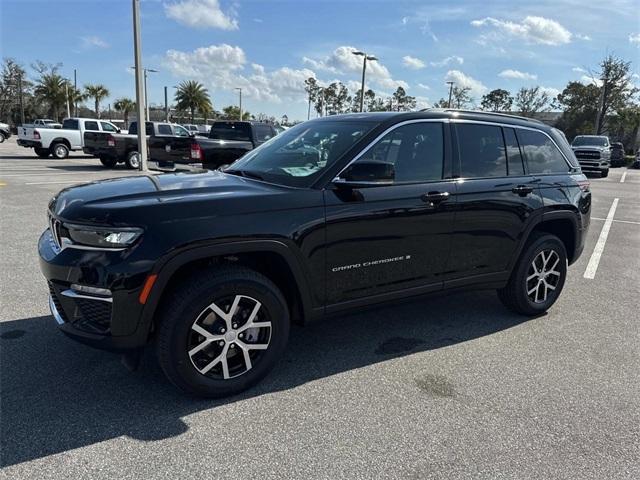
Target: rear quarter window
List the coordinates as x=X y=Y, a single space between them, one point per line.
x=541 y=154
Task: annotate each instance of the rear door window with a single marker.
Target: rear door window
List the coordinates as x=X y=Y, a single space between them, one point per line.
x=482 y=151
x=164 y=129
x=515 y=164
x=541 y=153
x=91 y=125
x=70 y=124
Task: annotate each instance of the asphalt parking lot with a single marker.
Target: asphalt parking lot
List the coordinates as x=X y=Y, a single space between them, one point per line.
x=452 y=387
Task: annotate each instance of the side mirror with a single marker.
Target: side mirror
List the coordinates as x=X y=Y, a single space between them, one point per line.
x=118 y=130
x=367 y=173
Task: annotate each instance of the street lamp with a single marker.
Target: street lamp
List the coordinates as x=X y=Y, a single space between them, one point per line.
x=240 y=92
x=365 y=57
x=146 y=98
x=450 y=83
x=137 y=53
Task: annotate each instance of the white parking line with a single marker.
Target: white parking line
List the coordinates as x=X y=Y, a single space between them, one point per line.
x=592 y=267
x=624 y=175
x=54 y=183
x=617 y=221
x=52 y=173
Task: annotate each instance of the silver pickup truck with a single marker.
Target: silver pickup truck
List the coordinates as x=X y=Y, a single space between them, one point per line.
x=60 y=141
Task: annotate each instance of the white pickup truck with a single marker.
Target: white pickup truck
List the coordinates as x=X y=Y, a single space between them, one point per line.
x=60 y=141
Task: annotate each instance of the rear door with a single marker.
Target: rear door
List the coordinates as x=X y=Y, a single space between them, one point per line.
x=495 y=199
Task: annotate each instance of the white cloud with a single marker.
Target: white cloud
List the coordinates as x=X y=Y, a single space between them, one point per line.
x=587 y=80
x=517 y=74
x=201 y=14
x=532 y=29
x=423 y=102
x=634 y=38
x=342 y=61
x=222 y=67
x=586 y=38
x=578 y=70
x=552 y=92
x=477 y=88
x=93 y=41
x=412 y=62
x=423 y=86
x=447 y=61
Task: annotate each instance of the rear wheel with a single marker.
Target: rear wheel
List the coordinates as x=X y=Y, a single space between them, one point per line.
x=221 y=332
x=42 y=152
x=108 y=162
x=133 y=160
x=538 y=277
x=59 y=150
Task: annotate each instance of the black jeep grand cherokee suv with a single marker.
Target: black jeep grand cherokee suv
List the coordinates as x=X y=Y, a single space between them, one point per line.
x=331 y=215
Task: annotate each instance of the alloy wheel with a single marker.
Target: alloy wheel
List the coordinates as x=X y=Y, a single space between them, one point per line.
x=229 y=337
x=542 y=276
x=60 y=151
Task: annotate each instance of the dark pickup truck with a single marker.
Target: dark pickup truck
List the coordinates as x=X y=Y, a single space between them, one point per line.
x=172 y=147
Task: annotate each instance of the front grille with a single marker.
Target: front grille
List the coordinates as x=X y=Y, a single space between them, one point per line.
x=95 y=315
x=587 y=154
x=56 y=302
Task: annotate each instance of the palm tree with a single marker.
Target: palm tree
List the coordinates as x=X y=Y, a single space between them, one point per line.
x=75 y=96
x=97 y=92
x=51 y=89
x=125 y=105
x=192 y=96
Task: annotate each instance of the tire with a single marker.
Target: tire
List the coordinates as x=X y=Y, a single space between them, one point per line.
x=133 y=160
x=108 y=162
x=59 y=151
x=604 y=173
x=2 y=137
x=518 y=295
x=217 y=369
x=42 y=152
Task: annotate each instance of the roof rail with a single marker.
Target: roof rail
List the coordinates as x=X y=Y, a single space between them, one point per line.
x=497 y=114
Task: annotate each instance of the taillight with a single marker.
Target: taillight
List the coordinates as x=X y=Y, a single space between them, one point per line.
x=584 y=185
x=111 y=141
x=196 y=151
x=36 y=135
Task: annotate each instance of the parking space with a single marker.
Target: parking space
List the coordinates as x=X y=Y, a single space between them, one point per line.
x=453 y=387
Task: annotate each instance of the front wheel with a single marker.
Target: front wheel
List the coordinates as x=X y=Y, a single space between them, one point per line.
x=222 y=331
x=538 y=277
x=2 y=137
x=604 y=173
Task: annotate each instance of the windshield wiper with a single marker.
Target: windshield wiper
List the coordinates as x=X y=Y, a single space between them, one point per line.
x=244 y=173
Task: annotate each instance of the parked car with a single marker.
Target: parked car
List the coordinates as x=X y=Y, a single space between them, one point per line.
x=593 y=153
x=5 y=132
x=234 y=139
x=170 y=147
x=191 y=128
x=617 y=154
x=204 y=130
x=636 y=162
x=46 y=122
x=60 y=141
x=334 y=214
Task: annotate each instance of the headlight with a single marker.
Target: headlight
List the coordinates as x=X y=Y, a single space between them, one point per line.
x=101 y=237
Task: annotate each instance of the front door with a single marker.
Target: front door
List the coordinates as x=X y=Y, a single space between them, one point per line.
x=386 y=239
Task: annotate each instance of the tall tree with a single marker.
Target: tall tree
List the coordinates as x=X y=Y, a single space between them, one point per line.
x=313 y=90
x=12 y=77
x=402 y=101
x=124 y=105
x=530 y=101
x=579 y=103
x=497 y=100
x=51 y=89
x=97 y=92
x=460 y=98
x=192 y=96
x=616 y=88
x=336 y=97
x=232 y=112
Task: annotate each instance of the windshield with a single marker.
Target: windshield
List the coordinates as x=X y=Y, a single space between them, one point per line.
x=591 y=141
x=298 y=156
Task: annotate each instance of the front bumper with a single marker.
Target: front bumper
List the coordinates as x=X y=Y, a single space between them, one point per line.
x=109 y=322
x=593 y=166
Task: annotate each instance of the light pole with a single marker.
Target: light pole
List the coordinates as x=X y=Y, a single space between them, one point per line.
x=450 y=91
x=75 y=92
x=146 y=98
x=137 y=48
x=21 y=99
x=166 y=105
x=365 y=57
x=240 y=91
x=66 y=90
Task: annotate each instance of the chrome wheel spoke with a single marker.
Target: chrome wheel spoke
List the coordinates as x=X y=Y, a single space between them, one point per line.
x=253 y=346
x=220 y=358
x=553 y=272
x=533 y=275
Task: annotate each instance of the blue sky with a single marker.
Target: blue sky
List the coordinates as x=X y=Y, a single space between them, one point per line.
x=269 y=47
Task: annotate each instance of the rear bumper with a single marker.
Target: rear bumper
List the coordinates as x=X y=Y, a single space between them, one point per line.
x=29 y=143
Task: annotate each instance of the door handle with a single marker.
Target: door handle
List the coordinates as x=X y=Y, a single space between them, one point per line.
x=522 y=190
x=435 y=197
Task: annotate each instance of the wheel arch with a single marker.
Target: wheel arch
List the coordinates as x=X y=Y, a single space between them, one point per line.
x=60 y=140
x=272 y=258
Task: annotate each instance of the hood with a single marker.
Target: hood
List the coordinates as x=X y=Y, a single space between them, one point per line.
x=118 y=200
